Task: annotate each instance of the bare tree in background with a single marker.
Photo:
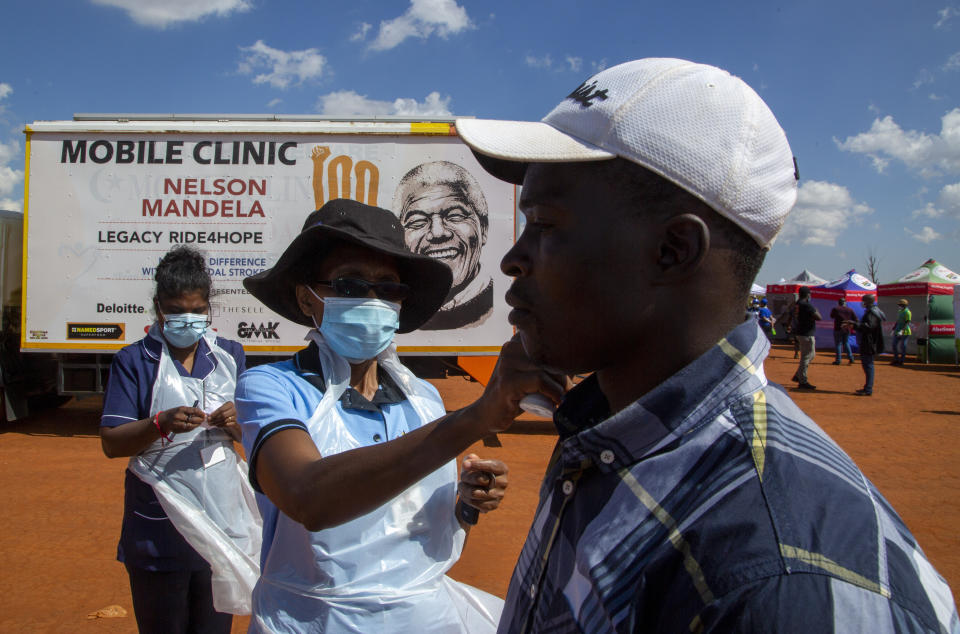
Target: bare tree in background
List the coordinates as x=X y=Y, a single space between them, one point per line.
x=873 y=265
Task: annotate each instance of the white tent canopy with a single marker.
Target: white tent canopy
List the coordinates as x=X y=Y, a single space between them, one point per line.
x=806 y=278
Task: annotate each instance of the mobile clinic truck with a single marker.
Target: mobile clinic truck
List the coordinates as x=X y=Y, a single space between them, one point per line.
x=107 y=195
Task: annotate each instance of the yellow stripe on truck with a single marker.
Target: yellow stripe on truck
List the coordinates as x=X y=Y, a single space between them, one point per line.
x=434 y=129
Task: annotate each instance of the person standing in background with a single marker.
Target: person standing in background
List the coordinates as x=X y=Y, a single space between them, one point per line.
x=869 y=340
x=765 y=319
x=841 y=314
x=901 y=332
x=807 y=317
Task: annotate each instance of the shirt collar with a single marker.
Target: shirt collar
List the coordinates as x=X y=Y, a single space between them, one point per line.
x=204 y=361
x=388 y=393
x=728 y=371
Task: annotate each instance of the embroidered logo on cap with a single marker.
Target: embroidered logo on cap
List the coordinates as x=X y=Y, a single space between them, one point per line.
x=586 y=93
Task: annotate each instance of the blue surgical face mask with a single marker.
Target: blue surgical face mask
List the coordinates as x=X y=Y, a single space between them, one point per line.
x=358 y=328
x=184 y=329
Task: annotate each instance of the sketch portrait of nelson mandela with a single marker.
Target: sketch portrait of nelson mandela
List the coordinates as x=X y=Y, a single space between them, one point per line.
x=444 y=216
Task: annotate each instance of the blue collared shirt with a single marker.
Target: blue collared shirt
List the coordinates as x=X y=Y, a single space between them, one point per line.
x=147 y=537
x=713 y=504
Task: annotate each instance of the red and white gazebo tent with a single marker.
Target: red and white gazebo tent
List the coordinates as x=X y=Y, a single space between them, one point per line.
x=782 y=295
x=851 y=287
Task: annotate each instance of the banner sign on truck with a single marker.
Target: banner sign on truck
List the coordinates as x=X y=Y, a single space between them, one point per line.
x=103 y=205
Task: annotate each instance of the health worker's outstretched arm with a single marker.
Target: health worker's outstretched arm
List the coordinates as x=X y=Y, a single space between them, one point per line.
x=325 y=491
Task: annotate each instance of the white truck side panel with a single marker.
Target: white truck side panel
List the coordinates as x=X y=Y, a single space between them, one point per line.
x=105 y=201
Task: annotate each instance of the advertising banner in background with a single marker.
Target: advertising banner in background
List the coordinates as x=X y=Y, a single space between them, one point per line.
x=104 y=206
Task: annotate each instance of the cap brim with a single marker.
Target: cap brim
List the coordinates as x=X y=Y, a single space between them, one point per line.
x=504 y=148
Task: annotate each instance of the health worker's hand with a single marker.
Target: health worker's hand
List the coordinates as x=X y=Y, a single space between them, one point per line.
x=180 y=419
x=483 y=483
x=223 y=416
x=515 y=376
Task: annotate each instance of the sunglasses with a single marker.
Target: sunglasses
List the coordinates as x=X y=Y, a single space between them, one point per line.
x=353 y=287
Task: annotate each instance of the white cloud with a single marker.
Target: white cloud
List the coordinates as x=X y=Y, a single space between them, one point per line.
x=945 y=15
x=348 y=103
x=273 y=103
x=926 y=235
x=929 y=154
x=9 y=177
x=282 y=67
x=361 y=33
x=953 y=62
x=538 y=62
x=9 y=152
x=823 y=211
x=949 y=200
x=422 y=19
x=950 y=196
x=948 y=204
x=924 y=77
x=5 y=91
x=575 y=63
x=599 y=66
x=928 y=211
x=162 y=14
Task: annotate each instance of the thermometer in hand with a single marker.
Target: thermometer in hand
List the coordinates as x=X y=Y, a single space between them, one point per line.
x=538 y=405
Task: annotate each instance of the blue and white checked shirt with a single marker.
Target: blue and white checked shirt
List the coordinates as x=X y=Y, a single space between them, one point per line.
x=713 y=504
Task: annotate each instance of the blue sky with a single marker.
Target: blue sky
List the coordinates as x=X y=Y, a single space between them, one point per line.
x=868 y=92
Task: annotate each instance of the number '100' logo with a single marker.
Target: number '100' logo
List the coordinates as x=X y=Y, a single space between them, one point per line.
x=340 y=174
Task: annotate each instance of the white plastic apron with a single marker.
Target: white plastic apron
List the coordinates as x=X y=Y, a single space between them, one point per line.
x=201 y=482
x=383 y=571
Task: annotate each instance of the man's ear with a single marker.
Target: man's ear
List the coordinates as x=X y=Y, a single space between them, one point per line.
x=684 y=244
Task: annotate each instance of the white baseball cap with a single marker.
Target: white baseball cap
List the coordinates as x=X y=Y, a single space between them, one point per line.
x=696 y=125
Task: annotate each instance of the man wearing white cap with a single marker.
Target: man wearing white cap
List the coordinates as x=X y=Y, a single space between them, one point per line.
x=686 y=493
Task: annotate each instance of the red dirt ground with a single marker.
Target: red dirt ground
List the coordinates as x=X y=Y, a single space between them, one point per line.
x=62 y=498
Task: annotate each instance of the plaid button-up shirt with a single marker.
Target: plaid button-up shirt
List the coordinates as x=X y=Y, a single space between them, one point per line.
x=713 y=504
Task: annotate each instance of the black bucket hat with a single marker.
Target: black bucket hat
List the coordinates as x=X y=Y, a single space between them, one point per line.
x=342 y=220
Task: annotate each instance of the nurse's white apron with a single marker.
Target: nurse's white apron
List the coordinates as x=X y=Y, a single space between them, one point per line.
x=202 y=483
x=383 y=571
